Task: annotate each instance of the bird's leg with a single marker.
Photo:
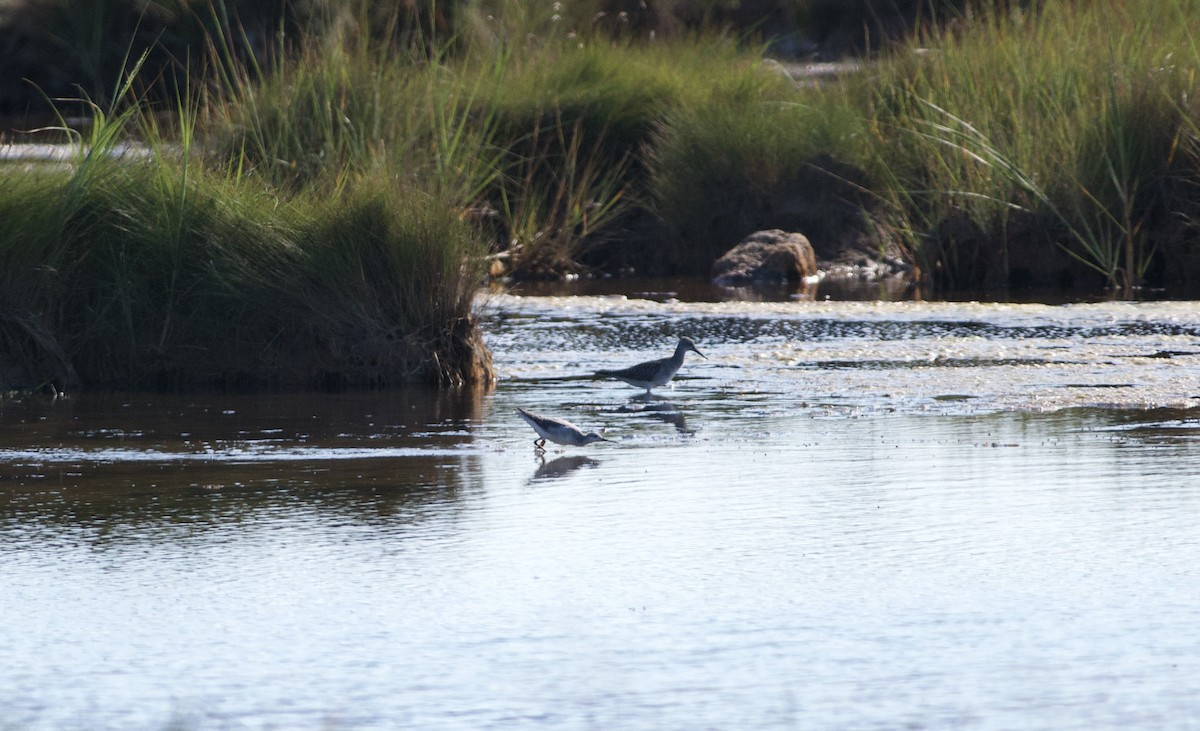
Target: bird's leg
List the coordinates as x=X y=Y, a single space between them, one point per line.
x=540 y=443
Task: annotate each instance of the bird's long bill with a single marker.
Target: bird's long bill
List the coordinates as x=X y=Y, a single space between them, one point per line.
x=697 y=352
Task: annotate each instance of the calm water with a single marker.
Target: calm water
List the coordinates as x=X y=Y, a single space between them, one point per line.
x=852 y=516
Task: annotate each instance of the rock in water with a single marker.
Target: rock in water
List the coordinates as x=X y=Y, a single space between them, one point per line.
x=766 y=256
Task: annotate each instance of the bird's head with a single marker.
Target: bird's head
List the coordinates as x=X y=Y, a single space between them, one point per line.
x=686 y=344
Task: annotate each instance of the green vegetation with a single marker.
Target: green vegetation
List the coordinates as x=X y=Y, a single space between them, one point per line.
x=1019 y=148
x=136 y=278
x=323 y=191
x=1069 y=131
x=753 y=154
x=160 y=271
x=579 y=129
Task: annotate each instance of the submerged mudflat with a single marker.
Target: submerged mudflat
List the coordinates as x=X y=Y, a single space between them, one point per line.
x=852 y=515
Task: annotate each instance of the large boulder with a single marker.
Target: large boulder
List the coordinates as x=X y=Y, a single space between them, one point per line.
x=766 y=257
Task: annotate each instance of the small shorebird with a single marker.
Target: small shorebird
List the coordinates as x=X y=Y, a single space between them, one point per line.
x=655 y=372
x=559 y=431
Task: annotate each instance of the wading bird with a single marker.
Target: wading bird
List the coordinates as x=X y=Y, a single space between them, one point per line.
x=655 y=372
x=559 y=431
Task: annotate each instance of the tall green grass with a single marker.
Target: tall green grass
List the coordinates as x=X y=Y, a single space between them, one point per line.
x=551 y=141
x=574 y=124
x=1019 y=146
x=342 y=108
x=152 y=281
x=161 y=270
x=1071 y=118
x=752 y=154
x=330 y=107
x=622 y=113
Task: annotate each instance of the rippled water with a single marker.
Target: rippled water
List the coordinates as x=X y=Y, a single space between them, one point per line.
x=852 y=515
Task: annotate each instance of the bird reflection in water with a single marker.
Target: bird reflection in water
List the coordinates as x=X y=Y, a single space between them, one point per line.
x=664 y=411
x=562 y=466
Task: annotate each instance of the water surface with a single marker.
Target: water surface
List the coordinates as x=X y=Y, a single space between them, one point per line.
x=852 y=515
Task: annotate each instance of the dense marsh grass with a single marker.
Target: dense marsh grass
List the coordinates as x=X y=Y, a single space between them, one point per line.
x=546 y=147
x=1037 y=148
x=323 y=113
x=64 y=46
x=159 y=272
x=755 y=154
x=1049 y=148
x=151 y=281
x=391 y=274
x=1058 y=131
x=577 y=124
